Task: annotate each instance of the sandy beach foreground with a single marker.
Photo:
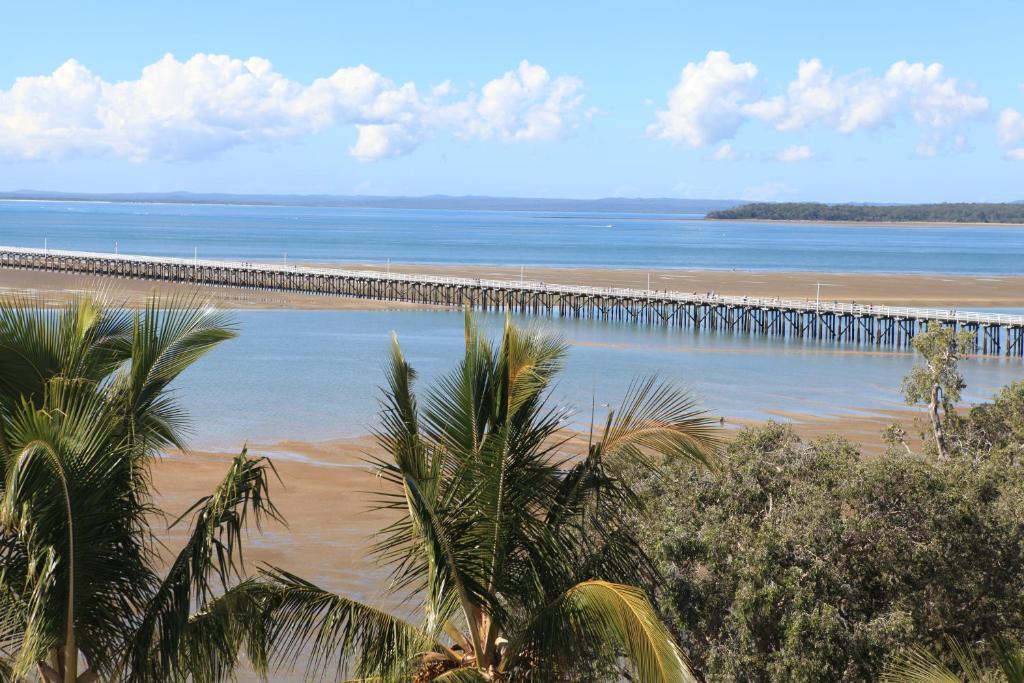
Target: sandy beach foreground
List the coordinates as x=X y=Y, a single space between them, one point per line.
x=327 y=488
x=324 y=494
x=930 y=291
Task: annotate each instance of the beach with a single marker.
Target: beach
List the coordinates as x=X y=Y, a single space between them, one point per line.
x=924 y=290
x=53 y=288
x=920 y=290
x=327 y=489
x=324 y=494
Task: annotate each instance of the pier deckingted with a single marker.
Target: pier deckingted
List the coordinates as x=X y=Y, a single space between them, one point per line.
x=862 y=324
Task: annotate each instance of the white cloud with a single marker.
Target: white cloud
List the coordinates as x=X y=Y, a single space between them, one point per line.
x=191 y=109
x=706 y=106
x=795 y=153
x=1010 y=127
x=443 y=89
x=381 y=141
x=525 y=104
x=859 y=100
x=715 y=97
x=1010 y=131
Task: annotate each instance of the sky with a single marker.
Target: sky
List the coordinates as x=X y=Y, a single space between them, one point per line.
x=815 y=101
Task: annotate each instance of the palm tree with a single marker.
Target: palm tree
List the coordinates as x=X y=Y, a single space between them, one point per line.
x=84 y=409
x=511 y=542
x=922 y=666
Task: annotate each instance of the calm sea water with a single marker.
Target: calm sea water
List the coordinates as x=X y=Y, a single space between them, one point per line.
x=505 y=237
x=312 y=375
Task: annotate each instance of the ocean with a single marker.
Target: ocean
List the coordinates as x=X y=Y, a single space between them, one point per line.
x=515 y=238
x=315 y=375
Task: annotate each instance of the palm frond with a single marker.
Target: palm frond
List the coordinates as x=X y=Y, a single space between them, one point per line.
x=401 y=544
x=661 y=418
x=14 y=567
x=213 y=638
x=528 y=360
x=335 y=633
x=167 y=337
x=457 y=561
x=461 y=675
x=67 y=501
x=211 y=556
x=596 y=613
x=919 y=665
x=1009 y=657
x=400 y=435
x=37 y=344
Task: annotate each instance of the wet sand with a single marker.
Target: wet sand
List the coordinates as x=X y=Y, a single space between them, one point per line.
x=327 y=489
x=864 y=429
x=958 y=291
x=324 y=494
x=53 y=288
x=940 y=291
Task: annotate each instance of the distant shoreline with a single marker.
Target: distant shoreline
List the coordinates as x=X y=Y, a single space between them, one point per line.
x=867 y=223
x=619 y=214
x=654 y=205
x=948 y=213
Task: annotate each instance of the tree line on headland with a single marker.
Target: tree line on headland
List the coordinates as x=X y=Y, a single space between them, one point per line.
x=966 y=212
x=651 y=549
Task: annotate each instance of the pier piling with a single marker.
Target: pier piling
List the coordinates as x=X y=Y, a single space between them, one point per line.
x=808 y=320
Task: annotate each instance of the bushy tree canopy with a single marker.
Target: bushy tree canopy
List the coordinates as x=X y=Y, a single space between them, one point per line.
x=964 y=212
x=810 y=562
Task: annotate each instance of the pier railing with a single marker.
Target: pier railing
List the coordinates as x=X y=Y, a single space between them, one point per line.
x=890 y=325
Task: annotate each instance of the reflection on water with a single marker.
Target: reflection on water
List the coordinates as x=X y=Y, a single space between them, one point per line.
x=313 y=375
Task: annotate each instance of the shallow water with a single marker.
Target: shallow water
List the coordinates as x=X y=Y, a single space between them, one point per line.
x=314 y=375
x=505 y=237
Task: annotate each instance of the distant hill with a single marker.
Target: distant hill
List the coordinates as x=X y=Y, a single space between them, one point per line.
x=479 y=203
x=874 y=213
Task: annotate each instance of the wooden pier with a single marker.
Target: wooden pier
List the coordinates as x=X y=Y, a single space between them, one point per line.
x=857 y=324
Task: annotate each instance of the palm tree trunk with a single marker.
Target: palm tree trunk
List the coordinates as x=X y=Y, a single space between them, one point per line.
x=70 y=655
x=70 y=646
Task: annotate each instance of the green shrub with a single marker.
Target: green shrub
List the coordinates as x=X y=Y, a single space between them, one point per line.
x=809 y=562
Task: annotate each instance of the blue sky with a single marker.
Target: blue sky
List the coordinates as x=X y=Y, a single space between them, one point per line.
x=909 y=101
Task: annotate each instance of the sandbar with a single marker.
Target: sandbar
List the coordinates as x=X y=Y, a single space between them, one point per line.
x=921 y=290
